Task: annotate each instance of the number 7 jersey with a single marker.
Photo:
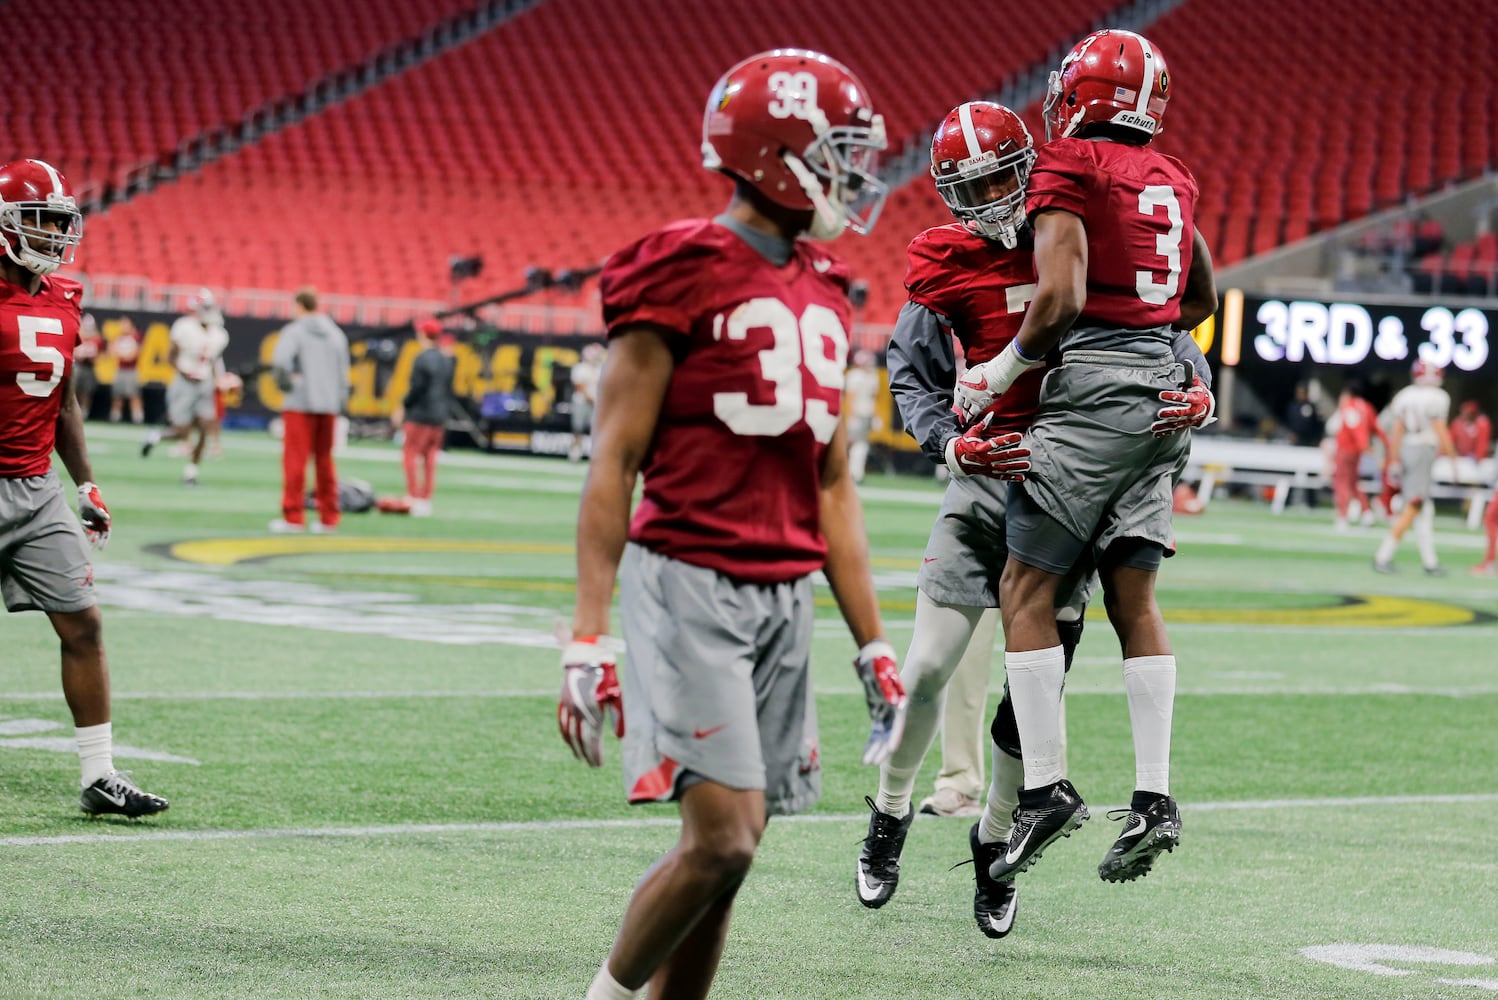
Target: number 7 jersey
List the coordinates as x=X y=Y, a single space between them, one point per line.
x=1138 y=207
x=37 y=336
x=732 y=480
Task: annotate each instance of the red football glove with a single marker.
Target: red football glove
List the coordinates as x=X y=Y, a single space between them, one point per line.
x=885 y=695
x=93 y=514
x=977 y=452
x=590 y=691
x=1192 y=408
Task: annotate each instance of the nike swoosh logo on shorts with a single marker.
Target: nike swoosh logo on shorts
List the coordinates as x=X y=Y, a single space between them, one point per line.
x=703 y=734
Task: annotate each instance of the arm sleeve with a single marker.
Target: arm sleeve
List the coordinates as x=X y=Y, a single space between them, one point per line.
x=922 y=373
x=1183 y=346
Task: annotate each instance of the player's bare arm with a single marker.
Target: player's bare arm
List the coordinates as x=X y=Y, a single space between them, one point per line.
x=1061 y=282
x=71 y=447
x=1199 y=301
x=847 y=566
x=631 y=390
x=1443 y=435
x=852 y=582
x=1060 y=295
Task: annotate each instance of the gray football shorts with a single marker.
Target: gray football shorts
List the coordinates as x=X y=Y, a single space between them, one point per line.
x=126 y=384
x=44 y=556
x=1419 y=461
x=1096 y=470
x=582 y=415
x=187 y=401
x=968 y=547
x=716 y=683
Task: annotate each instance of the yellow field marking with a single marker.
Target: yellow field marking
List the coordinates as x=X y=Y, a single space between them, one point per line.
x=1349 y=611
x=229 y=551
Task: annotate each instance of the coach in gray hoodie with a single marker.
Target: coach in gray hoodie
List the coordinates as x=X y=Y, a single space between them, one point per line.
x=311 y=364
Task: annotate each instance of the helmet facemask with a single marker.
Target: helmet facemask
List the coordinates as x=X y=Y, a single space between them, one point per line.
x=987 y=194
x=838 y=172
x=30 y=243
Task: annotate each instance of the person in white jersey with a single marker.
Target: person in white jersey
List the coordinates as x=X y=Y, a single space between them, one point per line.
x=1419 y=412
x=198 y=342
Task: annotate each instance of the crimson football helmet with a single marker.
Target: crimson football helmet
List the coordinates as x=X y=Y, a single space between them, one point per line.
x=1111 y=77
x=981 y=156
x=1425 y=373
x=32 y=195
x=798 y=127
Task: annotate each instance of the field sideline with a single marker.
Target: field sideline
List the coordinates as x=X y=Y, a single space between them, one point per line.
x=369 y=798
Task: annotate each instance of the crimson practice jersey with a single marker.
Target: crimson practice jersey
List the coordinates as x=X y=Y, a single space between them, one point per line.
x=37 y=336
x=983 y=289
x=733 y=477
x=1138 y=206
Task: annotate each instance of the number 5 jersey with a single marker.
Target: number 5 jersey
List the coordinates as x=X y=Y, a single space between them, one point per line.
x=37 y=336
x=732 y=480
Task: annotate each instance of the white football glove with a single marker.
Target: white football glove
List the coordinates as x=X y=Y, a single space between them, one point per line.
x=983 y=383
x=590 y=691
x=93 y=514
x=886 y=699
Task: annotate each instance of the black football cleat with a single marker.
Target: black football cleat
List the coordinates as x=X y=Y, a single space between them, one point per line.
x=879 y=861
x=115 y=794
x=1042 y=816
x=1151 y=830
x=994 y=903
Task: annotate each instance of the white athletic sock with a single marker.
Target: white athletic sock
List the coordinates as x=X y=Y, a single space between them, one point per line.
x=1386 y=549
x=1425 y=535
x=942 y=633
x=1035 y=678
x=95 y=751
x=1003 y=796
x=606 y=987
x=1150 y=684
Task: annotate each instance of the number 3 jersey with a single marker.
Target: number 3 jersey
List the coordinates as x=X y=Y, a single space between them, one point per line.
x=37 y=336
x=732 y=480
x=1138 y=207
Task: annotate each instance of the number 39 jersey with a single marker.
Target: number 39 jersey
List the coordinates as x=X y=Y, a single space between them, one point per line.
x=732 y=481
x=1138 y=206
x=37 y=336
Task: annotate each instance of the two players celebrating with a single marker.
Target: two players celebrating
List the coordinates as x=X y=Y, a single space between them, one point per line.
x=729 y=339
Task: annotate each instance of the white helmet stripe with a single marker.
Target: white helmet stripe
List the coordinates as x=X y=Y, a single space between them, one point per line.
x=1147 y=85
x=52 y=173
x=965 y=115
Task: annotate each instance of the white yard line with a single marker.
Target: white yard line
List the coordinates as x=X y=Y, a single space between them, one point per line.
x=545 y=826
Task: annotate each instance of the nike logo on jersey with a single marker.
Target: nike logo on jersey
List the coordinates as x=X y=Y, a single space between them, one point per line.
x=822 y=266
x=69 y=295
x=703 y=734
x=925 y=562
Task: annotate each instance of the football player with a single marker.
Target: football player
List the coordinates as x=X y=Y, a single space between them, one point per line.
x=197 y=352
x=1119 y=266
x=728 y=339
x=44 y=557
x=1420 y=412
x=972 y=280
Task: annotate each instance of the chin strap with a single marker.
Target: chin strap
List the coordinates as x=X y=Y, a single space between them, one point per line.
x=827 y=222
